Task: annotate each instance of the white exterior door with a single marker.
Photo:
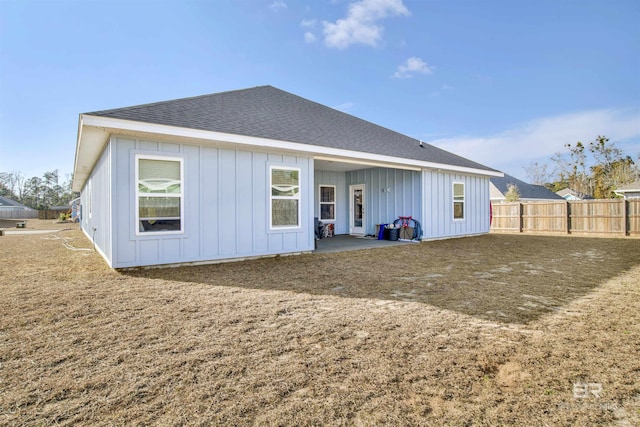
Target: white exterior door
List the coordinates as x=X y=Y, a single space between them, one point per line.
x=356 y=209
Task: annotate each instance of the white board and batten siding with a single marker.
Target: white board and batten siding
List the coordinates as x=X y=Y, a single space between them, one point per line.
x=226 y=205
x=96 y=205
x=437 y=217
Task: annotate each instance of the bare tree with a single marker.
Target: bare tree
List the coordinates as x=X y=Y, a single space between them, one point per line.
x=611 y=170
x=596 y=169
x=539 y=173
x=572 y=169
x=13 y=183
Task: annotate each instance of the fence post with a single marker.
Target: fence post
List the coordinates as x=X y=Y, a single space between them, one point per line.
x=520 y=217
x=567 y=217
x=625 y=216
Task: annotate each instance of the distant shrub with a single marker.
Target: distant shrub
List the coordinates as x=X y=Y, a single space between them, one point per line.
x=512 y=194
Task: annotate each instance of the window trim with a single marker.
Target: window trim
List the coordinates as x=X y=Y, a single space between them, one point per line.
x=454 y=200
x=138 y=194
x=320 y=203
x=296 y=197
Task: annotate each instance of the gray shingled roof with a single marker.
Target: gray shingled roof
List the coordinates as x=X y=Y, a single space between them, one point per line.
x=268 y=112
x=527 y=191
x=634 y=186
x=8 y=203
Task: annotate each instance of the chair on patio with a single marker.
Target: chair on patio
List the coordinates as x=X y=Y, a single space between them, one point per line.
x=319 y=228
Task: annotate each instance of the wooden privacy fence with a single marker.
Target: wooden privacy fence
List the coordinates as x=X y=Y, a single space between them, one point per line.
x=615 y=217
x=51 y=213
x=18 y=213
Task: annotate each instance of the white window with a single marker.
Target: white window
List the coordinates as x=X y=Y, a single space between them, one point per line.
x=458 y=200
x=284 y=183
x=327 y=202
x=159 y=194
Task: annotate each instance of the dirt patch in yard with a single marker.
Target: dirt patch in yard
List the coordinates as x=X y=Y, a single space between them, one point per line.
x=518 y=330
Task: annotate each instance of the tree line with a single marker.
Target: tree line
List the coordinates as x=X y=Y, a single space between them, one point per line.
x=595 y=169
x=37 y=192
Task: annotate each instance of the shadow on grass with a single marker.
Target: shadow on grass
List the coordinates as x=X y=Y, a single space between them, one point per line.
x=504 y=278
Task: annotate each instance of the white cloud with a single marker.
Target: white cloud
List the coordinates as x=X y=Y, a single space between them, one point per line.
x=278 y=5
x=309 y=37
x=345 y=106
x=411 y=66
x=361 y=24
x=514 y=148
x=308 y=23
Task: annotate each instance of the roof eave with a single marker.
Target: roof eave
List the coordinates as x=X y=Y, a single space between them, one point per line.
x=90 y=143
x=93 y=132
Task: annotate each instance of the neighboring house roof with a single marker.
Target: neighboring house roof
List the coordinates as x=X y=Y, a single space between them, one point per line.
x=569 y=194
x=273 y=114
x=527 y=191
x=8 y=203
x=632 y=188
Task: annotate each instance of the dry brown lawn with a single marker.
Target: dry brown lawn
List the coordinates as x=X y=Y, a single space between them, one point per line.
x=491 y=330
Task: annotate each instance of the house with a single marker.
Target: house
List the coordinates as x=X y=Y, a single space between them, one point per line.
x=528 y=192
x=10 y=209
x=244 y=173
x=630 y=191
x=570 y=195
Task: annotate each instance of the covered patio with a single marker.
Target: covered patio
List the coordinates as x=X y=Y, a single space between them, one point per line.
x=346 y=242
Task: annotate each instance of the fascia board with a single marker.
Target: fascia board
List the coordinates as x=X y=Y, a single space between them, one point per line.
x=91 y=142
x=152 y=128
x=76 y=185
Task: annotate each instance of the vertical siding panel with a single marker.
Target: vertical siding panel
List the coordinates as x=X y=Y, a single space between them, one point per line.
x=124 y=202
x=408 y=194
x=276 y=158
x=210 y=196
x=290 y=240
x=305 y=238
x=260 y=202
x=149 y=251
x=148 y=145
x=192 y=203
x=276 y=242
x=373 y=200
x=226 y=202
x=170 y=250
x=244 y=202
x=169 y=147
x=342 y=209
x=319 y=180
x=380 y=206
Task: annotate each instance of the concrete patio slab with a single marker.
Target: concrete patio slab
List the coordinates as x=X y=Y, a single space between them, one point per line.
x=345 y=242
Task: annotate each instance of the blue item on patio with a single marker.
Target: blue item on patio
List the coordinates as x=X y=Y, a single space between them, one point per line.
x=381 y=231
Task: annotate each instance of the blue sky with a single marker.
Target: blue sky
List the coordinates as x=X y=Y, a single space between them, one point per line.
x=504 y=83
